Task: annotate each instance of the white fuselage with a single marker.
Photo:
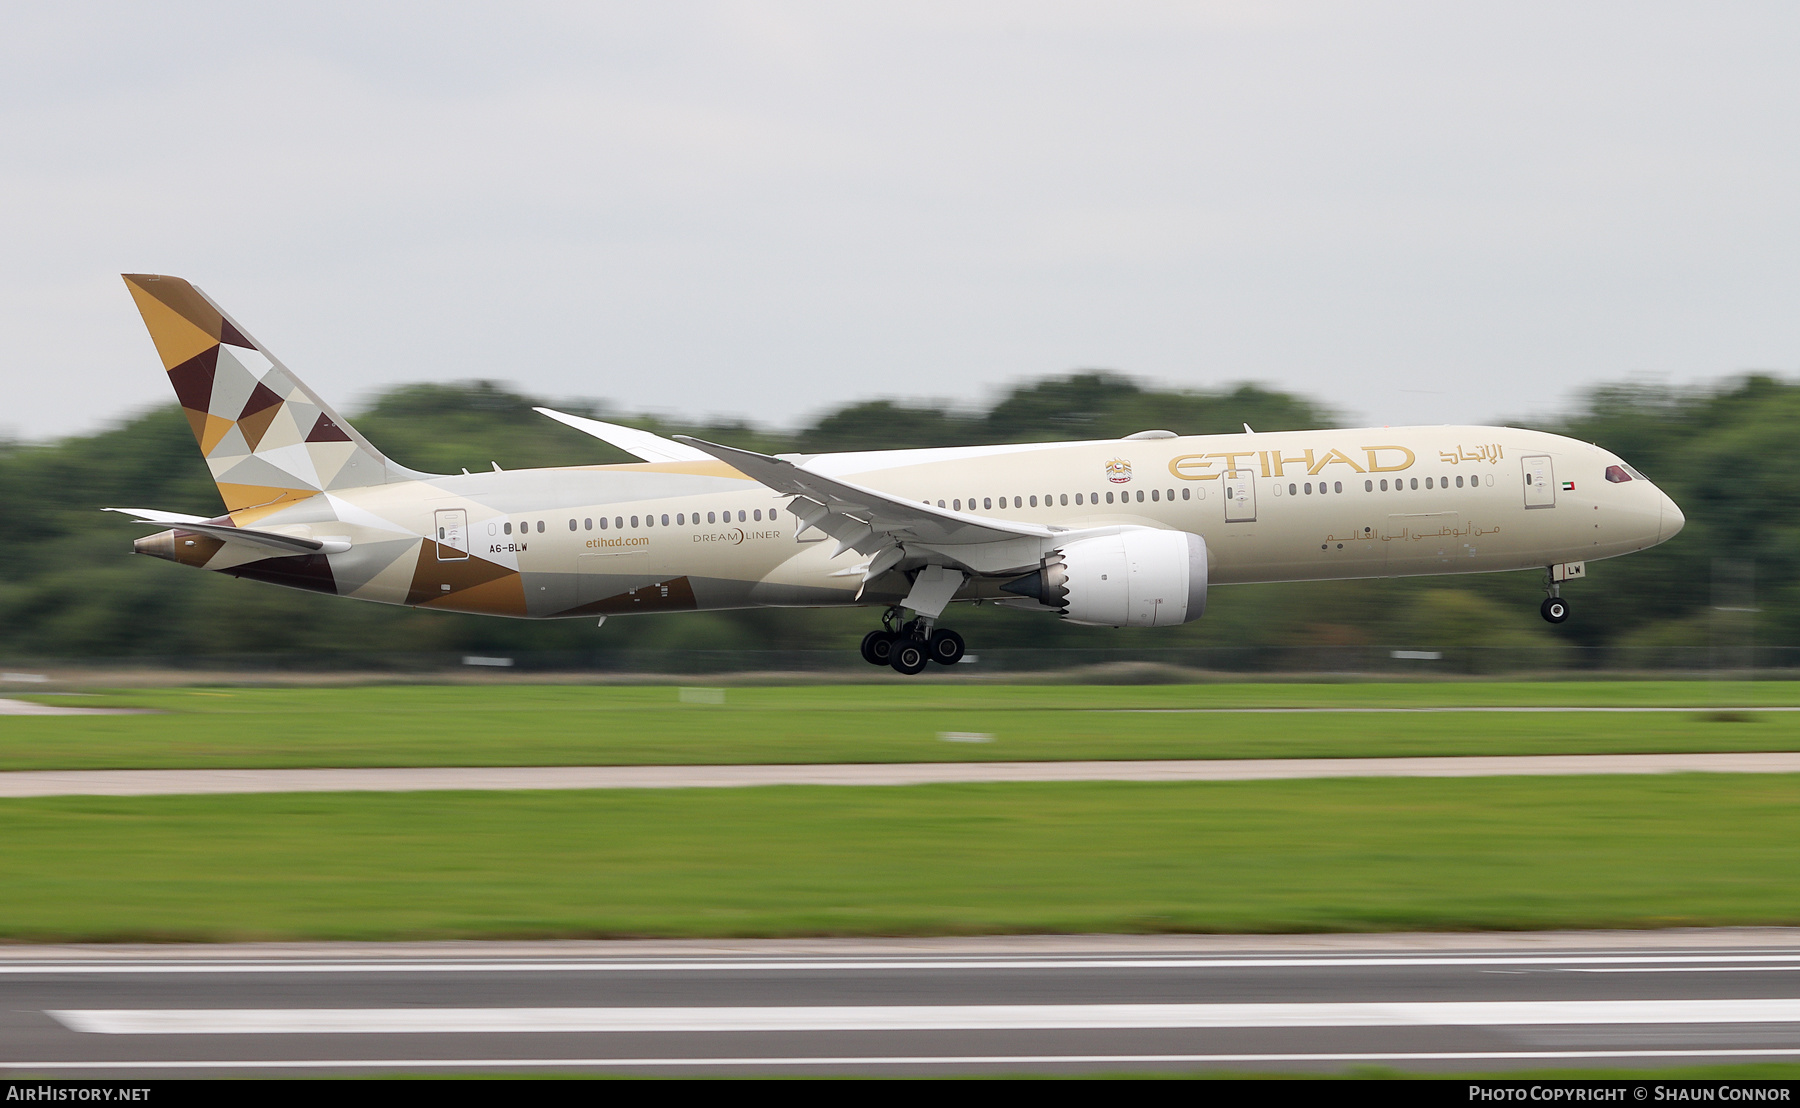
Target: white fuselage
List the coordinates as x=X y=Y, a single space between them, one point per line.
x=1284 y=506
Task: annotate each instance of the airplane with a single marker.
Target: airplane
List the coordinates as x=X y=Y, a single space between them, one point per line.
x=1127 y=532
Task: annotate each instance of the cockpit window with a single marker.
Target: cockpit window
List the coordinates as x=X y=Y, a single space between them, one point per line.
x=1617 y=475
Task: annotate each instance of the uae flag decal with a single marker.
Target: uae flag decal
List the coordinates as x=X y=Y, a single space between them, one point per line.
x=1568 y=486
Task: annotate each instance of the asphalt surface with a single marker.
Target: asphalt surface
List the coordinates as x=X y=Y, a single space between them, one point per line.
x=1420 y=1003
x=166 y=782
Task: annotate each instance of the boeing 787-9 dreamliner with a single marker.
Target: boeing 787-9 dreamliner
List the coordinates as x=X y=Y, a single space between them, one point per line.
x=1116 y=533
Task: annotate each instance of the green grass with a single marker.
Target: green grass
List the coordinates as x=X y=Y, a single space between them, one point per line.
x=1272 y=856
x=423 y=725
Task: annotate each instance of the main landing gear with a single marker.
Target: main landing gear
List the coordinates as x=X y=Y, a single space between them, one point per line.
x=909 y=646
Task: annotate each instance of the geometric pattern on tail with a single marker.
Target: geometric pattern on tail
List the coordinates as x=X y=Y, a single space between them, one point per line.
x=267 y=438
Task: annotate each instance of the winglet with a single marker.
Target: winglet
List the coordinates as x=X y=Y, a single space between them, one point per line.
x=643 y=444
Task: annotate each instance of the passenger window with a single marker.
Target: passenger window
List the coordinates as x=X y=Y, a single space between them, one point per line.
x=1109 y=498
x=1140 y=497
x=1155 y=495
x=712 y=517
x=987 y=504
x=649 y=521
x=571 y=525
x=1293 y=489
x=1171 y=494
x=940 y=503
x=1459 y=481
x=634 y=521
x=740 y=515
x=602 y=523
x=759 y=515
x=1427 y=482
x=1077 y=498
x=509 y=528
x=680 y=519
x=956 y=505
x=587 y=524
x=1034 y=502
x=1018 y=502
x=619 y=522
x=1415 y=482
x=1368 y=486
x=1186 y=493
x=1337 y=486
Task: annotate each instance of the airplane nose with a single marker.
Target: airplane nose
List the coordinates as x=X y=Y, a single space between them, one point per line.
x=1672 y=520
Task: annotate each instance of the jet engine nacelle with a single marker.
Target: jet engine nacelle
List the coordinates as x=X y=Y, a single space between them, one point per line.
x=1136 y=578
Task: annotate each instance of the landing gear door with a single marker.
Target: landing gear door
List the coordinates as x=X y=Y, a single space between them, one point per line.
x=1540 y=481
x=1240 y=496
x=452 y=535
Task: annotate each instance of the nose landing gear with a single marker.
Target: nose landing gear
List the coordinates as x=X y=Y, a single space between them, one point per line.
x=909 y=646
x=1554 y=609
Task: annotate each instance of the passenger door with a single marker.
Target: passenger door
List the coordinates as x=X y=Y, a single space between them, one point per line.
x=1540 y=481
x=452 y=535
x=1240 y=496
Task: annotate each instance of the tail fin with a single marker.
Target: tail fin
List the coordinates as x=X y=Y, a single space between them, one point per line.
x=268 y=439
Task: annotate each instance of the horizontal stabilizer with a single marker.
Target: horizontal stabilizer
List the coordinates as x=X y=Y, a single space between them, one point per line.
x=642 y=444
x=151 y=515
x=269 y=540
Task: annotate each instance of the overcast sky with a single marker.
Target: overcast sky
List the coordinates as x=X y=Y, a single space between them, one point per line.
x=1416 y=212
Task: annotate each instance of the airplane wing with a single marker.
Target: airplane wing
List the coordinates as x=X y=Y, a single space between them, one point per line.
x=643 y=444
x=861 y=518
x=269 y=540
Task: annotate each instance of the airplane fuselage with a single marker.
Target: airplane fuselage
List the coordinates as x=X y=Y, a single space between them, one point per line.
x=662 y=536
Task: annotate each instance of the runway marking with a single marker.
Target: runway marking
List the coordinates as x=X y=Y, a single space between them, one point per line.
x=1683 y=969
x=174 y=782
x=1741 y=961
x=919 y=1017
x=892 y=1060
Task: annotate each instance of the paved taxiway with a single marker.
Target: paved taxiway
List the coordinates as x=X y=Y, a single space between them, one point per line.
x=1447 y=1003
x=169 y=782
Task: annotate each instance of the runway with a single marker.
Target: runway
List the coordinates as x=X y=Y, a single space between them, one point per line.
x=1049 y=1005
x=170 y=782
